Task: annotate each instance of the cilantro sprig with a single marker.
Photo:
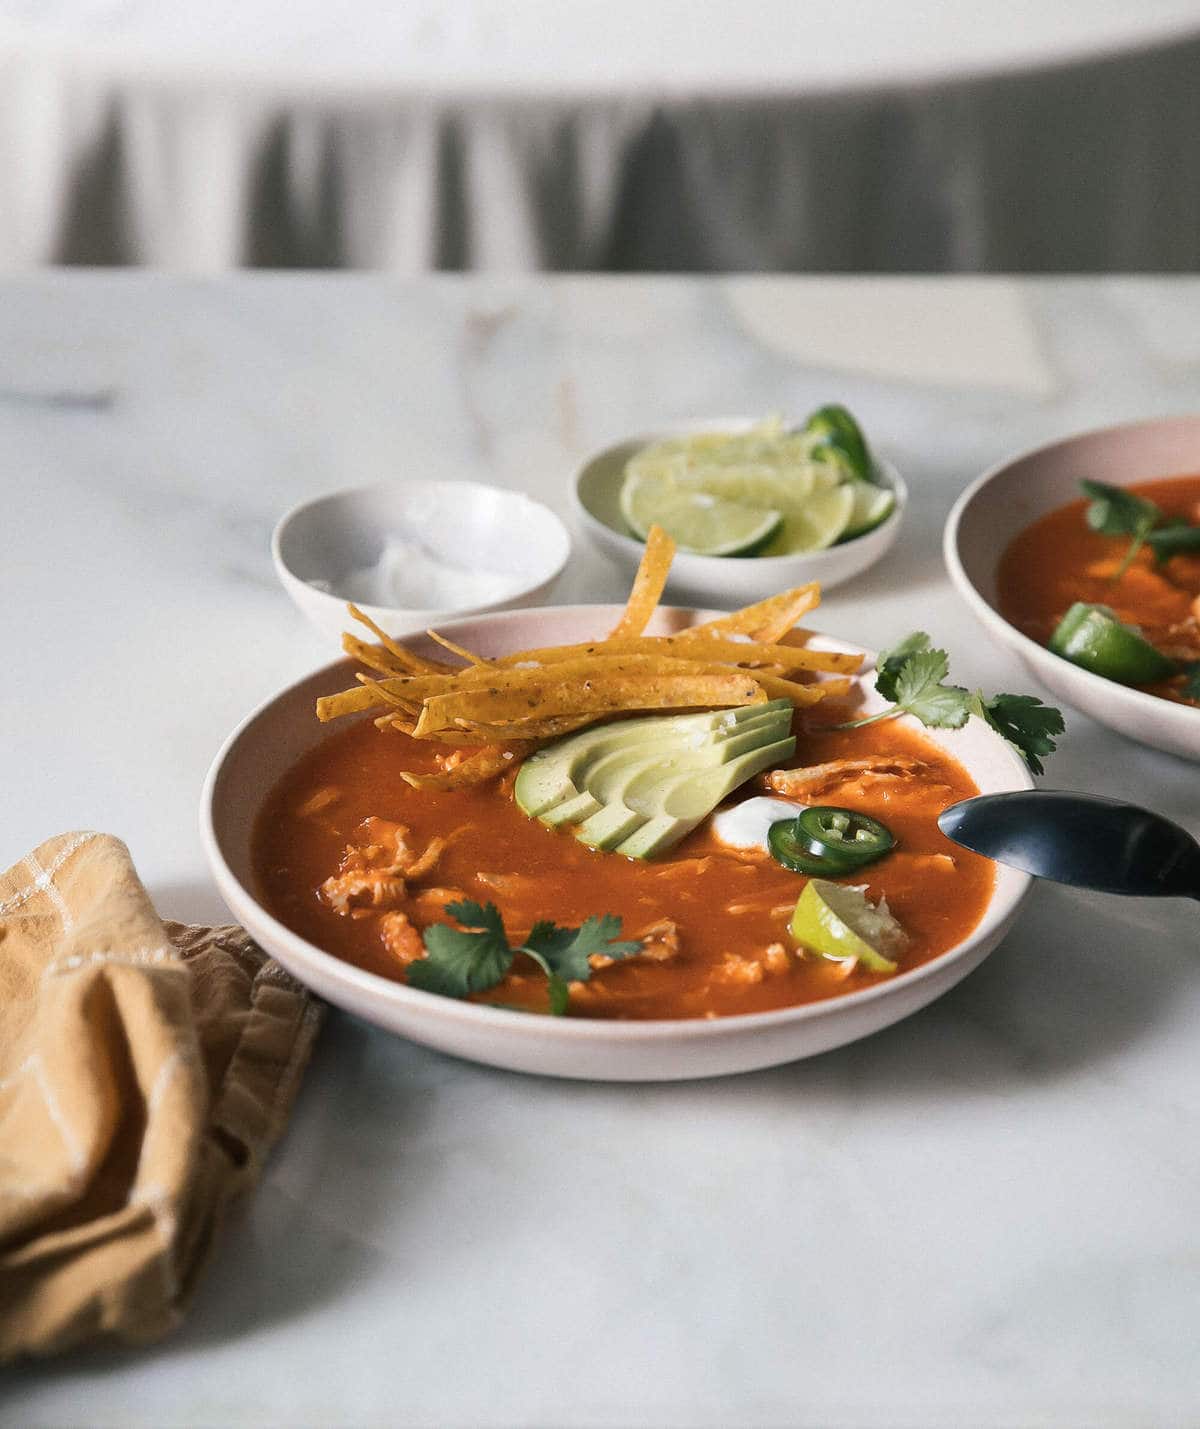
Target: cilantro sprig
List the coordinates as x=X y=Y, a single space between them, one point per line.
x=913 y=677
x=1115 y=511
x=477 y=956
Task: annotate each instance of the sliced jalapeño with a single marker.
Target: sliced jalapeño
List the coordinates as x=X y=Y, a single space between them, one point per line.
x=826 y=842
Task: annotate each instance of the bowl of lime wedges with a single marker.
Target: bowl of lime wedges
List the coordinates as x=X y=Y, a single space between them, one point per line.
x=753 y=506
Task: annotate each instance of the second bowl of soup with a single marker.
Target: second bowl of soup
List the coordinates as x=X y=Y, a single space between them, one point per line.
x=1084 y=557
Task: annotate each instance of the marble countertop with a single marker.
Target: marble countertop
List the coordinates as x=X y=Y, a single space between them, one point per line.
x=985 y=1215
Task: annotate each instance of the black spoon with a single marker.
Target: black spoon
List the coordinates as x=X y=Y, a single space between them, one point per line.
x=1079 y=839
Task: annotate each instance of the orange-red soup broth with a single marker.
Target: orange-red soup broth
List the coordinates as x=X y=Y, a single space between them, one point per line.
x=1059 y=559
x=715 y=920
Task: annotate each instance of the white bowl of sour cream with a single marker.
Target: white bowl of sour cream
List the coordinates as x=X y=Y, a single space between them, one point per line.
x=414 y=552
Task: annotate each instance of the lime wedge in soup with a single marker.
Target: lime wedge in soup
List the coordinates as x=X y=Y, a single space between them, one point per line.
x=841 y=923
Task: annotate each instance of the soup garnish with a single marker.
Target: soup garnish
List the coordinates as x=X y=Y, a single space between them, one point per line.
x=841 y=923
x=913 y=677
x=458 y=962
x=826 y=841
x=1117 y=511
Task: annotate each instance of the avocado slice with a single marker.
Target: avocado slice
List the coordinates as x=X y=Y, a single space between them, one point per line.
x=555 y=774
x=612 y=777
x=607 y=777
x=638 y=786
x=685 y=797
x=572 y=810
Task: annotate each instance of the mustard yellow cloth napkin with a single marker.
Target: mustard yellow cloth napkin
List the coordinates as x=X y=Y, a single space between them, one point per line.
x=146 y=1068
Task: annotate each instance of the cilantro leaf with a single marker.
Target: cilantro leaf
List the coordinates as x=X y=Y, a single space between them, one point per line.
x=476 y=957
x=475 y=915
x=1026 y=723
x=565 y=951
x=920 y=691
x=889 y=662
x=913 y=677
x=458 y=963
x=1172 y=538
x=1114 y=511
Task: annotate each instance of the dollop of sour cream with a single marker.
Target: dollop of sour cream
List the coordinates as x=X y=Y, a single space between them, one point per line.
x=746 y=825
x=409 y=574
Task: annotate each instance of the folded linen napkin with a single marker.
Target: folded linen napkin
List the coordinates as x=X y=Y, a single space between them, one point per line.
x=146 y=1068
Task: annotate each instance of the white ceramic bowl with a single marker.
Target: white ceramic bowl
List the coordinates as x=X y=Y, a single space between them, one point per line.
x=1008 y=497
x=724 y=579
x=462 y=523
x=270 y=740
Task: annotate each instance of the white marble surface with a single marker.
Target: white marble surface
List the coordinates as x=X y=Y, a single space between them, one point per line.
x=986 y=1215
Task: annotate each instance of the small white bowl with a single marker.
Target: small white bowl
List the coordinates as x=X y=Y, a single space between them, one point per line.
x=462 y=523
x=1015 y=493
x=269 y=741
x=721 y=579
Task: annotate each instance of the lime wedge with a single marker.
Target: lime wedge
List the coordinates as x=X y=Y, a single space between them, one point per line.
x=872 y=505
x=755 y=485
x=839 y=922
x=706 y=525
x=816 y=523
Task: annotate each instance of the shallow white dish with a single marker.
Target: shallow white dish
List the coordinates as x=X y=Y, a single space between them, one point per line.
x=270 y=740
x=732 y=579
x=1008 y=497
x=461 y=523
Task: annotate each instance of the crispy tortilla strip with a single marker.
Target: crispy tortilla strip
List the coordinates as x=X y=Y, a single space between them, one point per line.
x=460 y=650
x=375 y=657
x=591 y=696
x=606 y=669
x=801 y=695
x=540 y=729
x=387 y=696
x=787 y=617
x=687 y=645
x=418 y=664
x=347 y=702
x=648 y=585
x=756 y=652
x=532 y=687
x=765 y=619
x=457 y=738
x=369 y=693
x=414 y=688
x=408 y=691
x=484 y=764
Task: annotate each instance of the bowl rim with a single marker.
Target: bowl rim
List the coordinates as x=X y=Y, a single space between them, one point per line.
x=634 y=547
x=549 y=573
x=1126 y=697
x=999 y=910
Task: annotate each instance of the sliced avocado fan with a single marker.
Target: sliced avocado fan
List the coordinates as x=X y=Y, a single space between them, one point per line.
x=637 y=787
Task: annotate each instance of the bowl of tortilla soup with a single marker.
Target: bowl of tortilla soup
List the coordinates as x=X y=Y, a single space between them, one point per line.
x=623 y=843
x=1083 y=557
